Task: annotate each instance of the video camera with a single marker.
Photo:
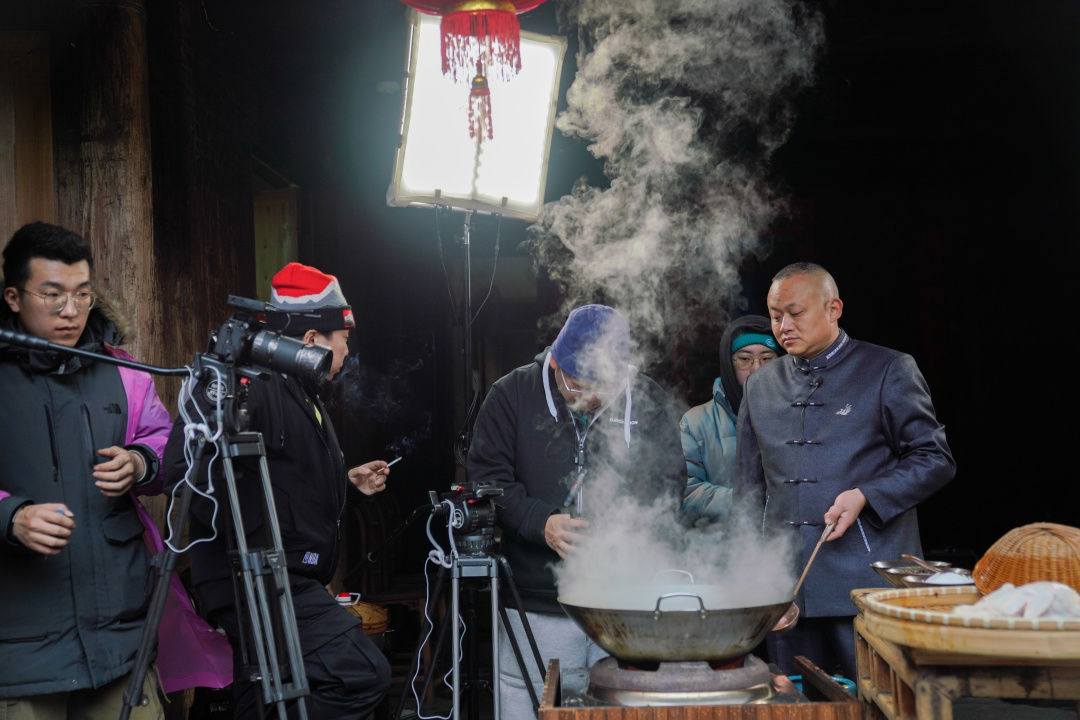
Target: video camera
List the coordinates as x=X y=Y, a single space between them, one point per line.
x=242 y=340
x=471 y=515
x=243 y=347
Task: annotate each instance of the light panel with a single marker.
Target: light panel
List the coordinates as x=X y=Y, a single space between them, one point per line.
x=438 y=163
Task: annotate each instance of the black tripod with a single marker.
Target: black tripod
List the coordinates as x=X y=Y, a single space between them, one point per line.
x=263 y=572
x=475 y=562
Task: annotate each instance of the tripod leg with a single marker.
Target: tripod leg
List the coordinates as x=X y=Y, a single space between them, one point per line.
x=520 y=661
x=407 y=685
x=257 y=606
x=165 y=563
x=253 y=570
x=455 y=651
x=472 y=682
x=493 y=582
x=509 y=576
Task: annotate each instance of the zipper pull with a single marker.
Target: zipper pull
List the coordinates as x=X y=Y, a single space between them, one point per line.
x=579 y=460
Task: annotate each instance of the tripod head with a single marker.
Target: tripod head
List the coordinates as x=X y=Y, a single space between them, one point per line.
x=472 y=516
x=470 y=512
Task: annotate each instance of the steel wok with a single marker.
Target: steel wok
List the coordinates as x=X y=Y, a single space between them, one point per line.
x=677 y=635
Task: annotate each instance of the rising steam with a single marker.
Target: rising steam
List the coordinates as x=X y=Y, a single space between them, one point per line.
x=634 y=553
x=684 y=101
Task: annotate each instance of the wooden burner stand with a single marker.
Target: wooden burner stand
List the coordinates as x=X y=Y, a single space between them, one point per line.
x=827 y=701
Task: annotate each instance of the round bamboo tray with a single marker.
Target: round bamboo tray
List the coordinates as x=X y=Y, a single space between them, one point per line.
x=923 y=618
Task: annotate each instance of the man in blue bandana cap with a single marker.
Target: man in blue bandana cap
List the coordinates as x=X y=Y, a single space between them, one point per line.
x=578 y=406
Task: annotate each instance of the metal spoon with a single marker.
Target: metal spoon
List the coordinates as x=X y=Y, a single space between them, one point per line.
x=791 y=615
x=922 y=563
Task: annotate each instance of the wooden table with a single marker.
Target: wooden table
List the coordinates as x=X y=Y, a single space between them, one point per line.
x=899 y=682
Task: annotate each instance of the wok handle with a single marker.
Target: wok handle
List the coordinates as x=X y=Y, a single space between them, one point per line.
x=701 y=603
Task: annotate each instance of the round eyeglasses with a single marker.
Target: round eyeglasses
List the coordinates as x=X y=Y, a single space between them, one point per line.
x=55 y=302
x=598 y=393
x=745 y=362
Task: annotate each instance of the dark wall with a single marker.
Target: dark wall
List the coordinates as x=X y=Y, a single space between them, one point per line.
x=933 y=168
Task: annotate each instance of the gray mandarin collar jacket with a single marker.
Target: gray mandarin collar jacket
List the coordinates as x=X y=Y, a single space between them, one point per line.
x=857 y=415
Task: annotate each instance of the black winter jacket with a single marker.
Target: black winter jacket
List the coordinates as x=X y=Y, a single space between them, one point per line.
x=70 y=621
x=309 y=480
x=533 y=456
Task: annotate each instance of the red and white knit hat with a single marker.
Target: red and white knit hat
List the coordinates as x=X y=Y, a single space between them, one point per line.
x=306 y=298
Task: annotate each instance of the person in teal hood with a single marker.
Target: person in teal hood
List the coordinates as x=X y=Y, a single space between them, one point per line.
x=708 y=430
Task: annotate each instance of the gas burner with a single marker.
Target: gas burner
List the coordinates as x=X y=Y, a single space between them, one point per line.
x=680 y=683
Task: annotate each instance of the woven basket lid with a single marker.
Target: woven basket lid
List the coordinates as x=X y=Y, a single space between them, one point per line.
x=1030 y=553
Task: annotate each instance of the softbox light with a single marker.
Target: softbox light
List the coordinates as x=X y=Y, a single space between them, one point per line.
x=438 y=163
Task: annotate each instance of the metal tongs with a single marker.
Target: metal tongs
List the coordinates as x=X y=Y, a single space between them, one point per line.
x=791 y=615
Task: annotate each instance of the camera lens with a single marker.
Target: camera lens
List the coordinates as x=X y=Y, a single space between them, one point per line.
x=291 y=356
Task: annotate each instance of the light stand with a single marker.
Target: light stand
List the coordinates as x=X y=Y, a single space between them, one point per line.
x=439 y=164
x=465 y=438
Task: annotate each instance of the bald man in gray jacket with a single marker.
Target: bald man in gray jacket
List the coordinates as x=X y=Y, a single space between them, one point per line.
x=839 y=431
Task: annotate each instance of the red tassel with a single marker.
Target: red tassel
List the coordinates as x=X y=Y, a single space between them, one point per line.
x=480 y=107
x=489 y=37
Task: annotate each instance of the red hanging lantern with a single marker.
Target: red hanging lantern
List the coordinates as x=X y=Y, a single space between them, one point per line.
x=480 y=107
x=484 y=32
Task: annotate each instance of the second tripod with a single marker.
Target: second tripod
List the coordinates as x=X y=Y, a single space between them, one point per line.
x=471 y=559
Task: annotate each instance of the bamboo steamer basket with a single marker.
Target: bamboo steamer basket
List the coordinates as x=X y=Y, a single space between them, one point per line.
x=1030 y=553
x=374 y=619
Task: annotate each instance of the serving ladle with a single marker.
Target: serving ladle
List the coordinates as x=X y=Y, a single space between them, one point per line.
x=922 y=563
x=791 y=615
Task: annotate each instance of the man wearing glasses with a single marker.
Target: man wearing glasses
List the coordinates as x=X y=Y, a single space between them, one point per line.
x=708 y=430
x=545 y=434
x=76 y=437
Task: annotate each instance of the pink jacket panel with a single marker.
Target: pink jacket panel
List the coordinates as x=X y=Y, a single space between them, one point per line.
x=190 y=652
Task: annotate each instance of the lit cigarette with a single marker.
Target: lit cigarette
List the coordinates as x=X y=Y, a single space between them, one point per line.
x=397 y=459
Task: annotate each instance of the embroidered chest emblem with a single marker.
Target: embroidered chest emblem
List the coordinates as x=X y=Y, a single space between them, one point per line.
x=846 y=410
x=311 y=558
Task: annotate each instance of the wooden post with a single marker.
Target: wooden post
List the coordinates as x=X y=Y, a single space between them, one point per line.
x=104 y=189
x=104 y=186
x=26 y=151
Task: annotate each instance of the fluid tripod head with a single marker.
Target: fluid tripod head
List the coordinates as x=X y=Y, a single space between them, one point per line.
x=472 y=516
